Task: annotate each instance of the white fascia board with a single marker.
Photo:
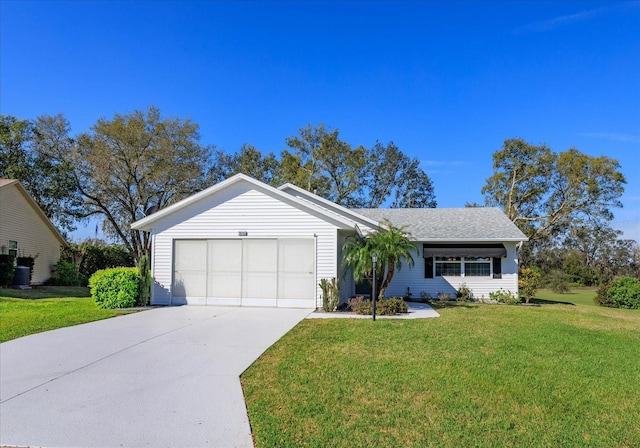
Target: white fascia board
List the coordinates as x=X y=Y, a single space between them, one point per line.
x=472 y=240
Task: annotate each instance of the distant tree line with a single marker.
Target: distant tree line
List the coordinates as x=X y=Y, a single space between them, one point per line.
x=129 y=163
x=125 y=165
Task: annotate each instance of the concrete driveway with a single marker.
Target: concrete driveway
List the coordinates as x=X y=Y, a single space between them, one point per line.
x=167 y=377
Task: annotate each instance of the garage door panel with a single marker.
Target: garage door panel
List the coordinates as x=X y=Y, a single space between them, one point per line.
x=225 y=270
x=295 y=286
x=259 y=285
x=296 y=270
x=296 y=255
x=250 y=272
x=190 y=255
x=190 y=270
x=190 y=284
x=260 y=255
x=259 y=270
x=225 y=255
x=225 y=285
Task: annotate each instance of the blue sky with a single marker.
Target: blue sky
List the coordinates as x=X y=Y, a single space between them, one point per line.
x=447 y=82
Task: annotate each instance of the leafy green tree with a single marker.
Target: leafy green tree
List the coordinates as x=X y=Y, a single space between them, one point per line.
x=543 y=192
x=135 y=161
x=393 y=246
x=33 y=153
x=249 y=161
x=392 y=176
x=323 y=163
x=355 y=177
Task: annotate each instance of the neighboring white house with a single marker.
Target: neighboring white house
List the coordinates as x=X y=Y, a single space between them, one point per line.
x=242 y=242
x=26 y=231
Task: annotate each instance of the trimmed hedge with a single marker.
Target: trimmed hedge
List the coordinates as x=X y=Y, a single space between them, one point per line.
x=623 y=292
x=115 y=287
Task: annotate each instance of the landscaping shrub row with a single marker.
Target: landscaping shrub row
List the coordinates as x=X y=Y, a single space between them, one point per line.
x=386 y=307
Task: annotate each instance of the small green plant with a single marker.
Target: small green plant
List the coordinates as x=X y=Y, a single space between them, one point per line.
x=623 y=292
x=443 y=296
x=330 y=294
x=115 y=287
x=360 y=305
x=426 y=296
x=144 y=289
x=528 y=283
x=391 y=306
x=463 y=294
x=504 y=296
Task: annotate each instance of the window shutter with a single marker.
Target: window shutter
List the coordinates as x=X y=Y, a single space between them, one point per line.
x=497 y=267
x=428 y=267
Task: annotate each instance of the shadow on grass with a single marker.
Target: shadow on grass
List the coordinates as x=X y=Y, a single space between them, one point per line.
x=550 y=302
x=46 y=292
x=438 y=305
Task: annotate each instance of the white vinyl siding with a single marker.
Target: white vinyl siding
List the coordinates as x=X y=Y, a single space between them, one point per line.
x=241 y=208
x=21 y=223
x=414 y=279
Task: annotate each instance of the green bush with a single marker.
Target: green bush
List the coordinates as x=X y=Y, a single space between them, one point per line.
x=6 y=269
x=623 y=292
x=503 y=296
x=528 y=283
x=360 y=305
x=115 y=287
x=464 y=293
x=66 y=274
x=559 y=281
x=144 y=293
x=391 y=306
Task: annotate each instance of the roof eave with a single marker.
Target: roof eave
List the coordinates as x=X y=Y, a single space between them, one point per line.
x=38 y=210
x=146 y=223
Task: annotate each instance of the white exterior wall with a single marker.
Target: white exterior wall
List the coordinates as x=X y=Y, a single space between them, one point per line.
x=480 y=286
x=20 y=222
x=240 y=208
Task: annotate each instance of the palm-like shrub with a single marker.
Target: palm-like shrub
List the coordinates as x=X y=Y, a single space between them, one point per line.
x=393 y=246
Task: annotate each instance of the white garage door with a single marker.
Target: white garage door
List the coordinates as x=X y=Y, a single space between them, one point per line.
x=250 y=272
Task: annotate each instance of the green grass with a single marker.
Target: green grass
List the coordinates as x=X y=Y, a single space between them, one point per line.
x=561 y=374
x=29 y=311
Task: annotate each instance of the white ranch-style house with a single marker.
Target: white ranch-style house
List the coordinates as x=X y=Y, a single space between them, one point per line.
x=244 y=243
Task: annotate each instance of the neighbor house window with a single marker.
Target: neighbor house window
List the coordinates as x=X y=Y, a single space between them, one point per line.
x=13 y=248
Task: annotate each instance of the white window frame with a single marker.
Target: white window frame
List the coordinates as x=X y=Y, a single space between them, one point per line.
x=13 y=248
x=462 y=262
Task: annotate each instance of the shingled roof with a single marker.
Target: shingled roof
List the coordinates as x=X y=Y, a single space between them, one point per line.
x=449 y=224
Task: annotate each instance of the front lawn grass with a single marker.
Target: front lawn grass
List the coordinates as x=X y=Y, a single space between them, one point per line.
x=29 y=311
x=562 y=374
